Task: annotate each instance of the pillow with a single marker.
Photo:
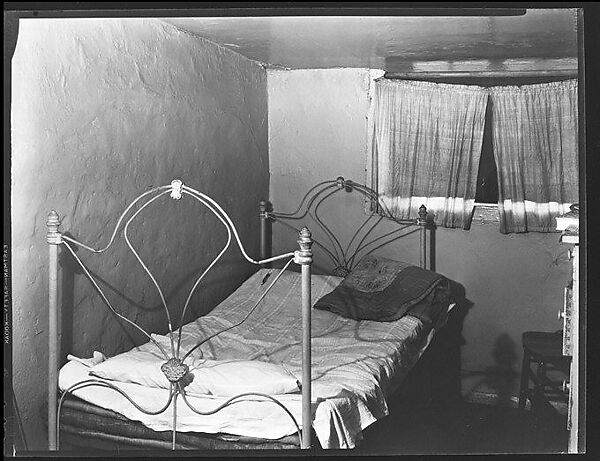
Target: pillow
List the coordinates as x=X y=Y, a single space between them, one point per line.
x=374 y=273
x=385 y=290
x=216 y=377
x=135 y=366
x=231 y=377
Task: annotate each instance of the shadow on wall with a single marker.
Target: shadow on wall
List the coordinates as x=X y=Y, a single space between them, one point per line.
x=447 y=387
x=500 y=378
x=72 y=273
x=436 y=377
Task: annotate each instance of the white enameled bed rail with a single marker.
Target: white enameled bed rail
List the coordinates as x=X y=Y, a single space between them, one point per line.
x=174 y=368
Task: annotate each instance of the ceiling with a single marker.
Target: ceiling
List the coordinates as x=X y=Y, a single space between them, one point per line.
x=395 y=43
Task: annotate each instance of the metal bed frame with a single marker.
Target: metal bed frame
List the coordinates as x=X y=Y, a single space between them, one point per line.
x=174 y=366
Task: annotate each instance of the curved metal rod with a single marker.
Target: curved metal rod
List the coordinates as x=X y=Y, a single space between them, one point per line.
x=360 y=229
x=314 y=198
x=386 y=211
x=343 y=259
x=162 y=296
x=373 y=195
x=328 y=231
x=215 y=208
x=245 y=394
x=369 y=193
x=199 y=196
x=385 y=243
x=323 y=247
x=227 y=218
x=207 y=269
x=230 y=222
x=336 y=258
x=308 y=205
x=361 y=247
x=289 y=215
x=364 y=237
x=99 y=383
x=72 y=240
x=245 y=317
x=110 y=305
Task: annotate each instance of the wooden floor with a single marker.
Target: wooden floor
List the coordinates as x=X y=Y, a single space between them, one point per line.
x=467 y=428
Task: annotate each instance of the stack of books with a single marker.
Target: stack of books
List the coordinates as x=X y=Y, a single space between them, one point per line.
x=568 y=224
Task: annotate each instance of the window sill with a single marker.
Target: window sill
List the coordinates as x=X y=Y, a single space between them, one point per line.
x=486 y=213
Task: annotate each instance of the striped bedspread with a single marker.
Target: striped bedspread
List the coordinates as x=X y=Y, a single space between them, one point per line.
x=355 y=364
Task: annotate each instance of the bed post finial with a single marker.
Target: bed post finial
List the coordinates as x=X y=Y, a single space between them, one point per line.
x=304 y=256
x=52 y=222
x=263 y=216
x=262 y=207
x=422 y=221
x=53 y=238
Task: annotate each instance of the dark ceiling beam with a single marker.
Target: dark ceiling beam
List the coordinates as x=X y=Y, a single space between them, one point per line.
x=559 y=67
x=482 y=74
x=186 y=9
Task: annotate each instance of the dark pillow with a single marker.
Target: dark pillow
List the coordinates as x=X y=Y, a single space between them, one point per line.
x=374 y=273
x=385 y=290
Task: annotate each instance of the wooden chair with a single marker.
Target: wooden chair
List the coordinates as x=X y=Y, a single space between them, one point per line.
x=545 y=350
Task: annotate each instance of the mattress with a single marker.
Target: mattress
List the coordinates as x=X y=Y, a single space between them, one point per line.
x=90 y=427
x=355 y=366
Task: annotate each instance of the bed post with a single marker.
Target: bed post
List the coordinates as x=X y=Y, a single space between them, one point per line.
x=262 y=213
x=304 y=258
x=422 y=222
x=54 y=239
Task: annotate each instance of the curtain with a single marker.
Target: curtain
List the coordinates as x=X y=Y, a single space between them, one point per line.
x=426 y=145
x=535 y=144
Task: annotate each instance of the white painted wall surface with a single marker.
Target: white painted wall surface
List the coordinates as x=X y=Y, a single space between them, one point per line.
x=317 y=131
x=103 y=110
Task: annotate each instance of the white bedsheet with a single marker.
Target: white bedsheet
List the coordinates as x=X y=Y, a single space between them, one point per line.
x=355 y=365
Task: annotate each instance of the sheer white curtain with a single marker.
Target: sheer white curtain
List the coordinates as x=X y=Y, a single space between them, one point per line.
x=426 y=146
x=535 y=139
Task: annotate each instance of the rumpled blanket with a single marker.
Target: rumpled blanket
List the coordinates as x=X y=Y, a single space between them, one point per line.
x=385 y=290
x=355 y=366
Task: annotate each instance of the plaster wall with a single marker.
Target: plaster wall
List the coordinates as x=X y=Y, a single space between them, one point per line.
x=103 y=110
x=318 y=131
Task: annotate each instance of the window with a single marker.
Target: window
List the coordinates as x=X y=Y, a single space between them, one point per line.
x=487 y=178
x=500 y=141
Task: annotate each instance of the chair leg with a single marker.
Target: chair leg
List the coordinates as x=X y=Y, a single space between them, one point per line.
x=538 y=390
x=524 y=387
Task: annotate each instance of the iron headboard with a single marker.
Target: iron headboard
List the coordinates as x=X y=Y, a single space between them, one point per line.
x=346 y=257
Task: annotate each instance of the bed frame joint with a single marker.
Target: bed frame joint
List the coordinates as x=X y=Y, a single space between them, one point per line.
x=304 y=255
x=177 y=186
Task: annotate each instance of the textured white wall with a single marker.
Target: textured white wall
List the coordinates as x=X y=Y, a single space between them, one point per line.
x=103 y=110
x=317 y=131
